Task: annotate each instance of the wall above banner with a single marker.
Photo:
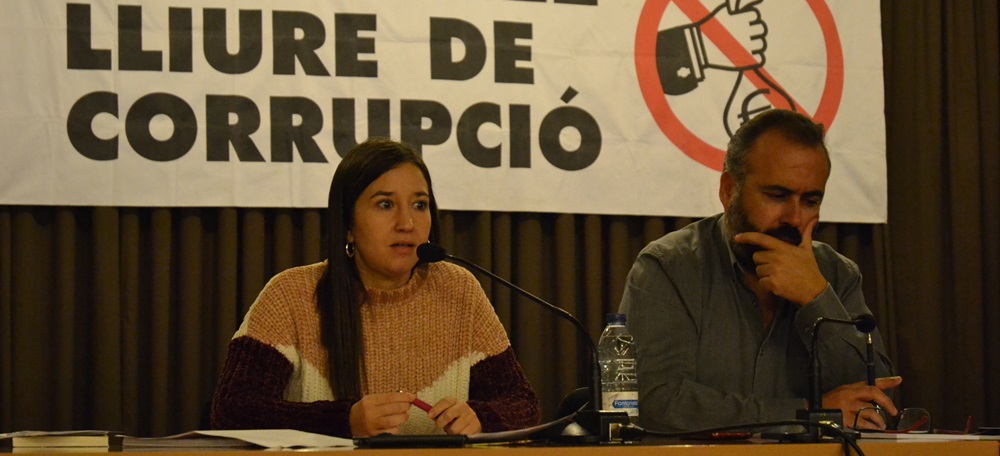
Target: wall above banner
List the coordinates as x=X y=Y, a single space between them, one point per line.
x=571 y=106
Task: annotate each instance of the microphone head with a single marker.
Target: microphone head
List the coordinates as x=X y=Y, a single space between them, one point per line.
x=431 y=253
x=865 y=323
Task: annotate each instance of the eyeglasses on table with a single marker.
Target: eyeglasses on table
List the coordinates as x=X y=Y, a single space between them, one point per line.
x=908 y=420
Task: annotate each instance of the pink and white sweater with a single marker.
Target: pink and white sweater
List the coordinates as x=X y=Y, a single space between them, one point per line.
x=437 y=336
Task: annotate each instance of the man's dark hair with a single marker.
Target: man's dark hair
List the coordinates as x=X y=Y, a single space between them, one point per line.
x=792 y=125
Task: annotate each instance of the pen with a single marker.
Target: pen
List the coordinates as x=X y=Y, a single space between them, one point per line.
x=421 y=405
x=871 y=361
x=870 y=364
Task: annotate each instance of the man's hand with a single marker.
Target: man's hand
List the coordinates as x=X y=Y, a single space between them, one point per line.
x=850 y=399
x=380 y=413
x=786 y=270
x=455 y=417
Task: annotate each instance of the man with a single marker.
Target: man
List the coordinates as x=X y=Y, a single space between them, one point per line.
x=722 y=310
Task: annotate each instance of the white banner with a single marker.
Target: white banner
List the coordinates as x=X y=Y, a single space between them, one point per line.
x=574 y=106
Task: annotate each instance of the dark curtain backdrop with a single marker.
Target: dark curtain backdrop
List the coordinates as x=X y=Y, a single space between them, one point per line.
x=118 y=318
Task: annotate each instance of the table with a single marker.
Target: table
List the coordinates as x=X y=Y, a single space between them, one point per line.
x=871 y=448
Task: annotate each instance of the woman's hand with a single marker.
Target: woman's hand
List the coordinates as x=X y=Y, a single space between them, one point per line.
x=380 y=413
x=455 y=417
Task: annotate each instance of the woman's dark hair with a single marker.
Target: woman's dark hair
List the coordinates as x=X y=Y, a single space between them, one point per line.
x=340 y=291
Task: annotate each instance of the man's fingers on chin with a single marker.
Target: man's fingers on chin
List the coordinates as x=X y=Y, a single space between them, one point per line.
x=750 y=237
x=807 y=233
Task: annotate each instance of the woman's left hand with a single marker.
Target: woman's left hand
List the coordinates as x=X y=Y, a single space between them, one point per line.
x=455 y=417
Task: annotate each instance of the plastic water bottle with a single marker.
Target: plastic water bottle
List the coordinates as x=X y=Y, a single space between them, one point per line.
x=616 y=355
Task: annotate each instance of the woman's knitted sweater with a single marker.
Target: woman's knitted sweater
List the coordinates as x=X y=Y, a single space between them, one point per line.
x=437 y=336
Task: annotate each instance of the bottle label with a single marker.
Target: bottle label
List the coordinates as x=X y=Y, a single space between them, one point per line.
x=621 y=401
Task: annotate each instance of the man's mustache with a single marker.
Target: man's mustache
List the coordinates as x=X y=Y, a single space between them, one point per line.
x=787 y=233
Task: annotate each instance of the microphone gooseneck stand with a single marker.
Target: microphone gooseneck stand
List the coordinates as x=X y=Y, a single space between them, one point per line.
x=601 y=425
x=815 y=412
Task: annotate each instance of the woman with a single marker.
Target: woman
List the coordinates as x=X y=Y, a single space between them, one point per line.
x=347 y=346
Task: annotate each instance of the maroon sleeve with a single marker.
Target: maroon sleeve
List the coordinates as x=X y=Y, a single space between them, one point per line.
x=500 y=394
x=250 y=395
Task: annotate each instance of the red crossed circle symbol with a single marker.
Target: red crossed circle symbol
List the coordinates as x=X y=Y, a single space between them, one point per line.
x=649 y=81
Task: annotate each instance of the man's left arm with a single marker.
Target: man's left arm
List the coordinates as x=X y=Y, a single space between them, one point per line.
x=842 y=348
x=822 y=283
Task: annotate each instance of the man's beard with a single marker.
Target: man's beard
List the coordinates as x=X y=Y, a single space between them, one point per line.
x=737 y=222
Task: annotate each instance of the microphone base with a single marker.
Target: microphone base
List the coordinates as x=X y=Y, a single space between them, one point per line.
x=833 y=417
x=602 y=426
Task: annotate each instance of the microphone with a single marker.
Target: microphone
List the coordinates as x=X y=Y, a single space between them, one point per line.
x=599 y=423
x=864 y=323
x=431 y=253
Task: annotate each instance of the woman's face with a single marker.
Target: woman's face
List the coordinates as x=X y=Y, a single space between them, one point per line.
x=391 y=218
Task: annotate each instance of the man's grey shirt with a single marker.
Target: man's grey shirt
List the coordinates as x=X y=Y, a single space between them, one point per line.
x=704 y=357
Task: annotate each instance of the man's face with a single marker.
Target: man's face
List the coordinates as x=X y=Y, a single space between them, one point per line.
x=780 y=195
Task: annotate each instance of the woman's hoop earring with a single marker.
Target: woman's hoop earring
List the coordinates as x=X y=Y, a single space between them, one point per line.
x=349 y=249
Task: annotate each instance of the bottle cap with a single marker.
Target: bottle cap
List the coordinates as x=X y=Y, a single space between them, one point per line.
x=614 y=319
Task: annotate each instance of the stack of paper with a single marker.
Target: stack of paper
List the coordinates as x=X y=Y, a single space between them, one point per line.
x=102 y=440
x=264 y=438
